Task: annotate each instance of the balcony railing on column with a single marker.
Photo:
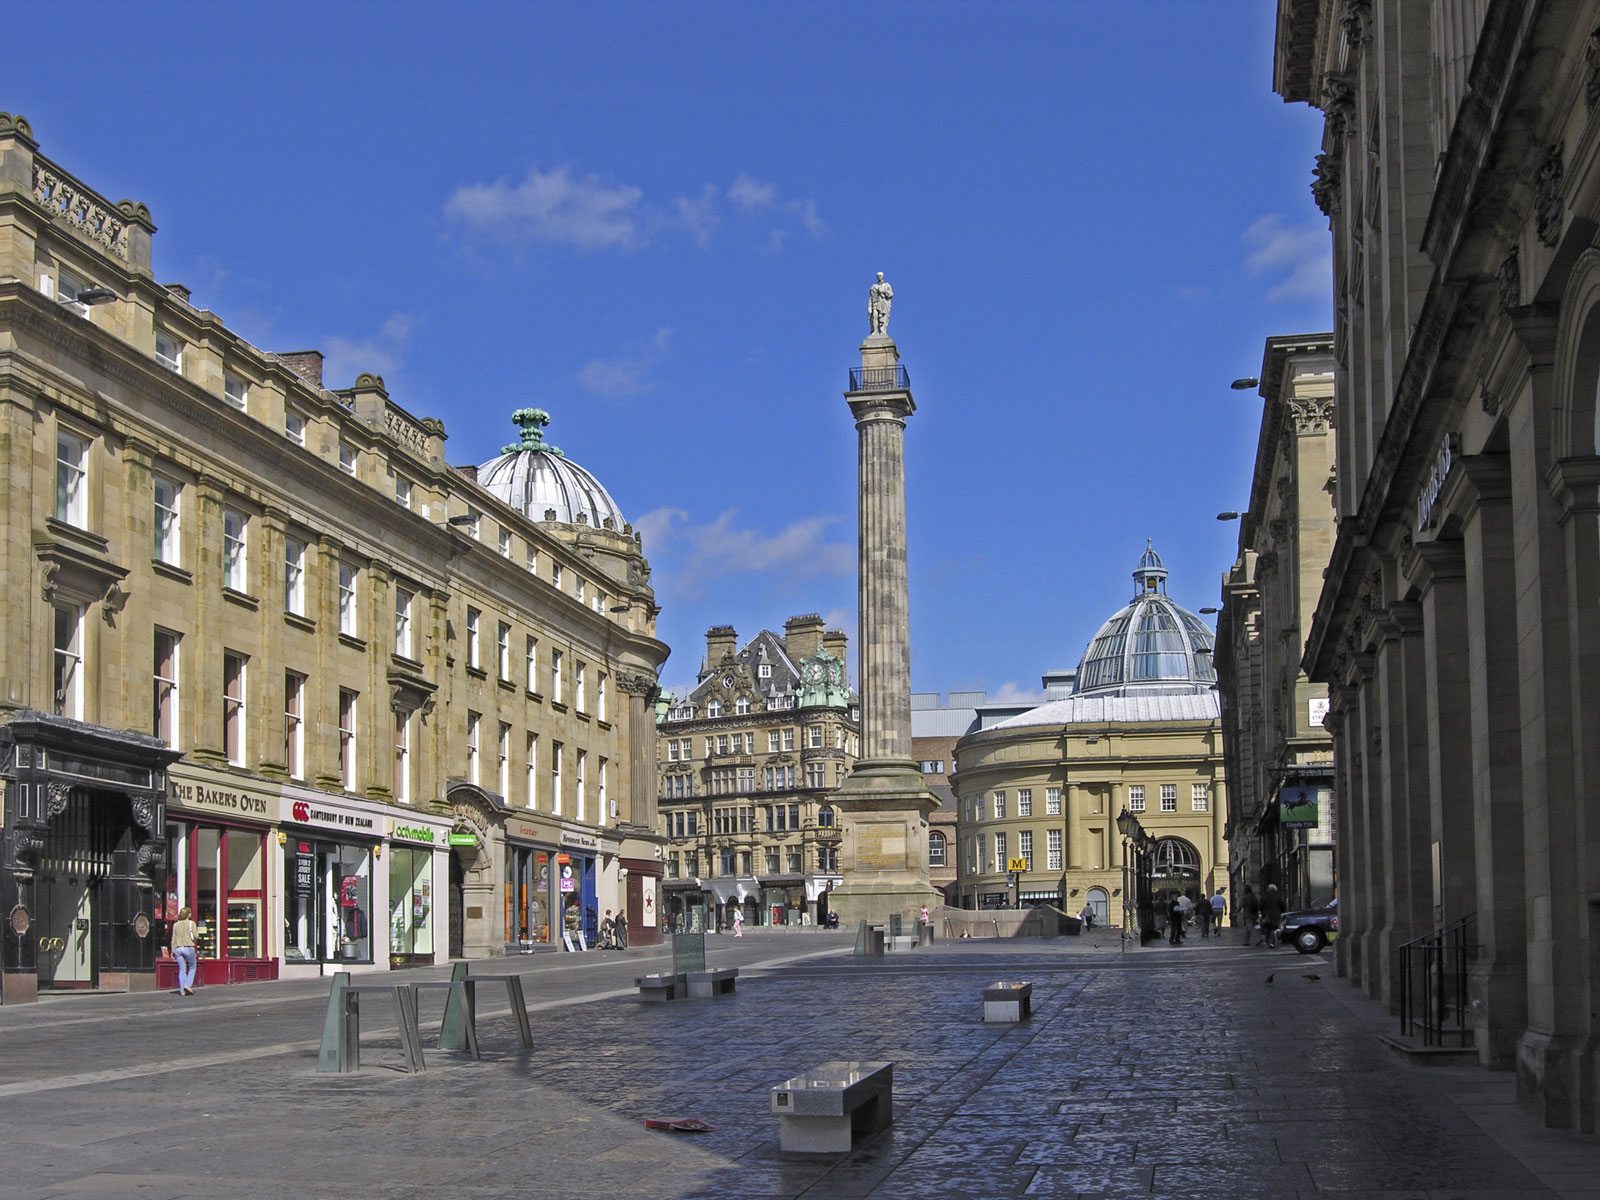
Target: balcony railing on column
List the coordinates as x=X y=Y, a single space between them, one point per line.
x=1433 y=984
x=879 y=379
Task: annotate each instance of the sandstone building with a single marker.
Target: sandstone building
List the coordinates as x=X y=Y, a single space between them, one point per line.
x=1458 y=629
x=1136 y=727
x=269 y=657
x=748 y=761
x=1279 y=757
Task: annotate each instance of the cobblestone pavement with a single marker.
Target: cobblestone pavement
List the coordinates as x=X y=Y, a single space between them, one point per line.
x=1159 y=1072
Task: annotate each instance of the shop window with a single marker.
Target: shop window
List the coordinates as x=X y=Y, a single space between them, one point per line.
x=347 y=738
x=410 y=902
x=294 y=727
x=166 y=520
x=218 y=873
x=528 y=902
x=349 y=624
x=233 y=712
x=164 y=720
x=327 y=901
x=235 y=558
x=72 y=493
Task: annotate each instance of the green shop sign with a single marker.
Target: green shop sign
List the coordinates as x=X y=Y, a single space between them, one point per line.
x=413 y=833
x=463 y=839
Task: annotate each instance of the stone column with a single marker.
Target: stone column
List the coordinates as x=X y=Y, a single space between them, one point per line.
x=884 y=804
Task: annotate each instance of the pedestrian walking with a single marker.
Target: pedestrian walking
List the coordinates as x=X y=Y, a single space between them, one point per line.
x=1248 y=913
x=622 y=931
x=1087 y=915
x=738 y=923
x=1175 y=921
x=924 y=917
x=182 y=946
x=1202 y=916
x=1271 y=915
x=1219 y=909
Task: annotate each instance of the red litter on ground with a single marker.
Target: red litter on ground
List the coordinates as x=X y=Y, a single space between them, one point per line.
x=685 y=1125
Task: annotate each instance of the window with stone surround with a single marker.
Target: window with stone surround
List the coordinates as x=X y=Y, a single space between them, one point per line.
x=72 y=471
x=1136 y=797
x=1052 y=802
x=69 y=672
x=1199 y=797
x=235 y=551
x=233 y=710
x=167 y=546
x=348 y=611
x=294 y=724
x=1169 y=797
x=164 y=719
x=348 y=702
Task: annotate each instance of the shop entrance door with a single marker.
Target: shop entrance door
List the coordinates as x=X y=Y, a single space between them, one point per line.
x=66 y=941
x=458 y=901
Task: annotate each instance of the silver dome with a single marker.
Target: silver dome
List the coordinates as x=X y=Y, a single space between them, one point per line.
x=1151 y=647
x=539 y=480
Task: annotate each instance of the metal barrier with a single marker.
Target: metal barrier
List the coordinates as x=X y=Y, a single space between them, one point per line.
x=1433 y=984
x=458 y=1030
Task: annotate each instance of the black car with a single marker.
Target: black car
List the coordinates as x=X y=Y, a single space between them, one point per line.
x=1310 y=929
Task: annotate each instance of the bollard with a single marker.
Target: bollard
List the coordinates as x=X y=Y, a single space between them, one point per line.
x=340 y=1036
x=452 y=1030
x=924 y=933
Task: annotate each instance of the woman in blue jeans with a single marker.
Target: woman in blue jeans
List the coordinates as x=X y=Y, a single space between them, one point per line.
x=183 y=932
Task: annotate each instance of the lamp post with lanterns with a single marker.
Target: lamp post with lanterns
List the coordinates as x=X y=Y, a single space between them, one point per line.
x=1135 y=878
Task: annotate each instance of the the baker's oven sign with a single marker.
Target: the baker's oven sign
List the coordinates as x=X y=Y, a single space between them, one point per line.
x=305 y=812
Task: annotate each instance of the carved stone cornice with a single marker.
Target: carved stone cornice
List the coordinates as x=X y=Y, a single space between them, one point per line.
x=1326 y=178
x=1339 y=103
x=1311 y=414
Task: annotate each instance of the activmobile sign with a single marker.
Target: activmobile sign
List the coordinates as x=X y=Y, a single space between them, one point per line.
x=310 y=812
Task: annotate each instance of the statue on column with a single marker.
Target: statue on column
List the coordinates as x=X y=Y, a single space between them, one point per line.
x=879 y=298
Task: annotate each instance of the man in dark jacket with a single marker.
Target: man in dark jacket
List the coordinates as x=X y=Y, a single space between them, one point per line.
x=1248 y=912
x=1271 y=915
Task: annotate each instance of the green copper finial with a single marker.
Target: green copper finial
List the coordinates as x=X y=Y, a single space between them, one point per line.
x=531 y=421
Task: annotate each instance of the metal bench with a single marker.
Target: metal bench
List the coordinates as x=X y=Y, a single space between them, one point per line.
x=1007 y=1003
x=661 y=987
x=823 y=1110
x=716 y=982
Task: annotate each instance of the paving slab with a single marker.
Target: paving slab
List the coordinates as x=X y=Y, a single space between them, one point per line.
x=1166 y=1072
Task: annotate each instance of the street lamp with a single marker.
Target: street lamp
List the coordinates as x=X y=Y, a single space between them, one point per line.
x=1245 y=384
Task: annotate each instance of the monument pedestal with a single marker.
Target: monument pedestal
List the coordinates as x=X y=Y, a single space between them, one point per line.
x=884 y=807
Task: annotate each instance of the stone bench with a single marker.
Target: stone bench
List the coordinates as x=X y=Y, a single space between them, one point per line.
x=823 y=1110
x=716 y=982
x=1007 y=1003
x=661 y=987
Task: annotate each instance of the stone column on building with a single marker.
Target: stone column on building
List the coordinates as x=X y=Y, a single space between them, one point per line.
x=884 y=803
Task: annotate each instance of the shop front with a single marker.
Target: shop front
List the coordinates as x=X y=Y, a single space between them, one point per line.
x=551 y=887
x=783 y=900
x=217 y=866
x=83 y=841
x=686 y=905
x=331 y=883
x=642 y=880
x=418 y=860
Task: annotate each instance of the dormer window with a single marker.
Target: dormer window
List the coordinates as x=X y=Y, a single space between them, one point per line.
x=764 y=671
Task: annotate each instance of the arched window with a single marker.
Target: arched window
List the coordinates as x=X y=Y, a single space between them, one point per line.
x=825 y=817
x=1174 y=858
x=936 y=847
x=714 y=708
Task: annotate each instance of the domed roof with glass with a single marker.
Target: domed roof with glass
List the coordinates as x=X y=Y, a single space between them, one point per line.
x=536 y=478
x=1150 y=648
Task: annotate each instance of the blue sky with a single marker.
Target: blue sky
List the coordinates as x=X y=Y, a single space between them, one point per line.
x=659 y=222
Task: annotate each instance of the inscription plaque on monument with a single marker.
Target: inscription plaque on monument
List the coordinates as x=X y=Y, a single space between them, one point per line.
x=881 y=845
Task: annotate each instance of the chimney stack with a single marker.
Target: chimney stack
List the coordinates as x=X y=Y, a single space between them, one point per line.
x=802 y=636
x=305 y=363
x=834 y=642
x=720 y=640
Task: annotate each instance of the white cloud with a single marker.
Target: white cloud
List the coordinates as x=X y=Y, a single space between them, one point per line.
x=553 y=206
x=1011 y=692
x=588 y=212
x=380 y=354
x=1300 y=259
x=692 y=555
x=748 y=194
x=627 y=374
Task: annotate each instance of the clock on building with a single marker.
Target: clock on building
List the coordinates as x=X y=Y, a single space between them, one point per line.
x=727 y=681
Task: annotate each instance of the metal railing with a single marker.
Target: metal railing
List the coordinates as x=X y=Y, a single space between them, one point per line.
x=879 y=379
x=1434 y=997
